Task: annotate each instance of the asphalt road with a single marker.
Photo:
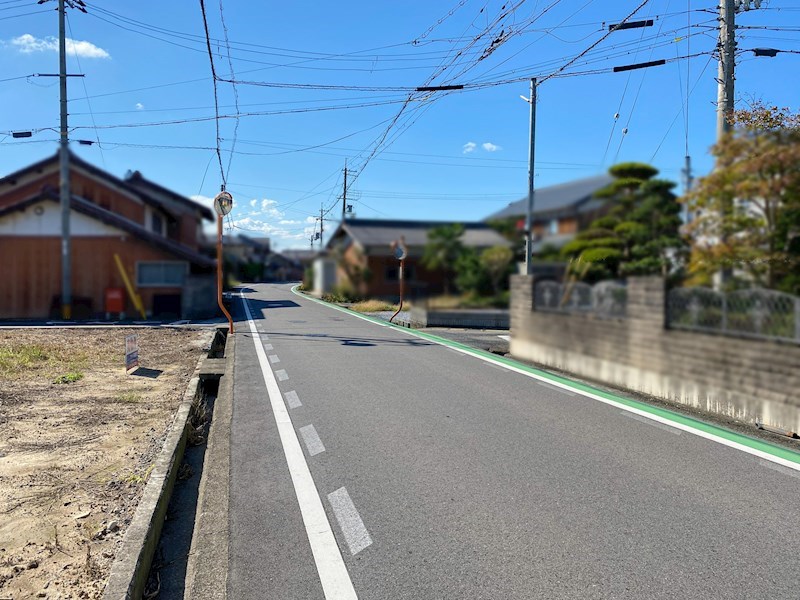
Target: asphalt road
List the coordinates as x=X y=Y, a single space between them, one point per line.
x=444 y=476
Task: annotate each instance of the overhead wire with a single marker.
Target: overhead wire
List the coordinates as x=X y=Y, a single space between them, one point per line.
x=216 y=97
x=636 y=98
x=86 y=93
x=233 y=86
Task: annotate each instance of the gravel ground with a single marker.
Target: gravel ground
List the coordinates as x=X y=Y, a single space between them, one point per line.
x=75 y=455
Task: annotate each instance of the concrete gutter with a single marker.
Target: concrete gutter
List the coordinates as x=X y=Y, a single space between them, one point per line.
x=477 y=318
x=131 y=566
x=207 y=568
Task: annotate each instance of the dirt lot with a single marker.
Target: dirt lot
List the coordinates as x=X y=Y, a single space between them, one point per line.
x=77 y=441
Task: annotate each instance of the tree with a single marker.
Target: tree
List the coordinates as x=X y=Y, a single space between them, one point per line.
x=640 y=234
x=747 y=211
x=443 y=249
x=471 y=276
x=497 y=260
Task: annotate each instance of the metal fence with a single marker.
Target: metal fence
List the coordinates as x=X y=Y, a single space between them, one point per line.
x=607 y=298
x=757 y=313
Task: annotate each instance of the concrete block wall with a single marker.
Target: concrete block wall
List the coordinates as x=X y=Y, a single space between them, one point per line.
x=737 y=377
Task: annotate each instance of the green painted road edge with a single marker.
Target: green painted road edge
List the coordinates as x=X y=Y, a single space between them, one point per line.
x=731 y=436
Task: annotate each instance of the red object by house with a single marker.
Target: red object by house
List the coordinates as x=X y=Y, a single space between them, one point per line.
x=115 y=300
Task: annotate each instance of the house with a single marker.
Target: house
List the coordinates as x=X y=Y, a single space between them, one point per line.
x=279 y=267
x=244 y=256
x=559 y=211
x=361 y=250
x=155 y=233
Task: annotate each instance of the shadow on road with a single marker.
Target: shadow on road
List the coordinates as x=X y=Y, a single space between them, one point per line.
x=346 y=340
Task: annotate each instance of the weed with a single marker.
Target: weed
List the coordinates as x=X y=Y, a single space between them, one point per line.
x=372 y=306
x=70 y=377
x=128 y=397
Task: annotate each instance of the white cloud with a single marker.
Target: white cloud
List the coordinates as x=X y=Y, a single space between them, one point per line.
x=490 y=147
x=469 y=147
x=28 y=44
x=288 y=222
x=253 y=202
x=139 y=106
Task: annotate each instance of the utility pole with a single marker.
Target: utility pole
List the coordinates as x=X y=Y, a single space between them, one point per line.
x=688 y=181
x=321 y=227
x=531 y=164
x=344 y=191
x=727 y=57
x=63 y=179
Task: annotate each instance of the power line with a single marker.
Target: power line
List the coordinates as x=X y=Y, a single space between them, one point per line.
x=216 y=99
x=233 y=85
x=86 y=94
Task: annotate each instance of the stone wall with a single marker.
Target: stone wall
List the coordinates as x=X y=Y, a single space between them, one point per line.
x=737 y=377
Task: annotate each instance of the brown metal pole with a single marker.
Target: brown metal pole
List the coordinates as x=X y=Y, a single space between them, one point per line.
x=399 y=308
x=219 y=274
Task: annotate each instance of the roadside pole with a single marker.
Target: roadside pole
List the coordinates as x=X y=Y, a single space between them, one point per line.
x=223 y=204
x=400 y=252
x=63 y=178
x=531 y=164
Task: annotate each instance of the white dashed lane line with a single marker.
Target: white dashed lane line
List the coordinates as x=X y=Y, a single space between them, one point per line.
x=350 y=523
x=268 y=346
x=273 y=358
x=333 y=574
x=292 y=400
x=311 y=439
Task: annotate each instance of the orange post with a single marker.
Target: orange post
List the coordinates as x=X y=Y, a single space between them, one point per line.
x=219 y=274
x=399 y=308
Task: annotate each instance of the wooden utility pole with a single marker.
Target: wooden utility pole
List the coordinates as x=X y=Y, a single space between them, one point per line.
x=63 y=176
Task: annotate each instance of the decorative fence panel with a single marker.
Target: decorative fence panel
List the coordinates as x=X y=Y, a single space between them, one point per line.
x=607 y=298
x=757 y=313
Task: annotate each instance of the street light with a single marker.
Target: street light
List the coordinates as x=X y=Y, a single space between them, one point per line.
x=531 y=154
x=223 y=204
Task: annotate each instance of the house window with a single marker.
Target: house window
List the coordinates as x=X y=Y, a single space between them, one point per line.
x=157 y=223
x=161 y=273
x=553 y=228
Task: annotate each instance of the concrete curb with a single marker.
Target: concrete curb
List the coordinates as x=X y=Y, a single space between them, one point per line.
x=131 y=567
x=207 y=569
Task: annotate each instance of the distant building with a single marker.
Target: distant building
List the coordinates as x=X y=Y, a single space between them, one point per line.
x=559 y=211
x=361 y=250
x=154 y=231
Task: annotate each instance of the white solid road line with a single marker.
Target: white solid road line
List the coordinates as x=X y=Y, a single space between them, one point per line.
x=273 y=358
x=557 y=389
x=353 y=529
x=292 y=400
x=333 y=575
x=650 y=422
x=281 y=374
x=311 y=438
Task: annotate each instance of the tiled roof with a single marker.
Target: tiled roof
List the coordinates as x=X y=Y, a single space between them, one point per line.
x=376 y=232
x=572 y=195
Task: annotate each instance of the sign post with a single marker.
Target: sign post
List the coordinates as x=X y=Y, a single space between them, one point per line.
x=131 y=352
x=400 y=252
x=223 y=204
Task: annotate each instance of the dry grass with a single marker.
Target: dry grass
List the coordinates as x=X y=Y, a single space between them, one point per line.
x=369 y=306
x=446 y=302
x=22 y=359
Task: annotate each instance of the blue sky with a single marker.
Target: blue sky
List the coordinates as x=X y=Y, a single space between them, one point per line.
x=450 y=156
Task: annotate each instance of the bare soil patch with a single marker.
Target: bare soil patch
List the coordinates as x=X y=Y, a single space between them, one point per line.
x=78 y=438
